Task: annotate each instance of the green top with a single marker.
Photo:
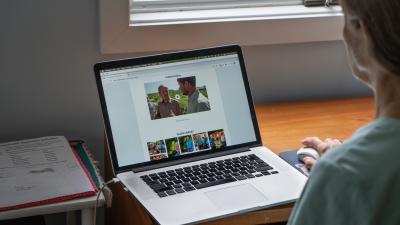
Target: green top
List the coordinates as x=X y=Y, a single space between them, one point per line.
x=356 y=183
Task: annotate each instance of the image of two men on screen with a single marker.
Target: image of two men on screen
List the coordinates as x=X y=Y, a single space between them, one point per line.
x=176 y=97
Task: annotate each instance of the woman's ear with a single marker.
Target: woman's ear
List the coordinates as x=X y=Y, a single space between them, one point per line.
x=356 y=23
x=359 y=28
x=364 y=31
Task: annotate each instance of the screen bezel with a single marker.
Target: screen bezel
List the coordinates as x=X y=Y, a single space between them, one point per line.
x=107 y=65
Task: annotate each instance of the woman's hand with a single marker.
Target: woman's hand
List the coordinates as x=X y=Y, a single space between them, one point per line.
x=321 y=146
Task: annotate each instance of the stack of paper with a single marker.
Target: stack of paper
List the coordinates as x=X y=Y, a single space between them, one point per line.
x=41 y=171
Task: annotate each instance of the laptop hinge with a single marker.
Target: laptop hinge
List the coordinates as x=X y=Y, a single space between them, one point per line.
x=182 y=161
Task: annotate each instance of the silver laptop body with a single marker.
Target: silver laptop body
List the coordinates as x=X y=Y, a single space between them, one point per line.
x=184 y=139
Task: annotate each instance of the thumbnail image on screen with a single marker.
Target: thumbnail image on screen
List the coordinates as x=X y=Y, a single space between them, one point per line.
x=175 y=97
x=157 y=150
x=201 y=141
x=173 y=148
x=217 y=139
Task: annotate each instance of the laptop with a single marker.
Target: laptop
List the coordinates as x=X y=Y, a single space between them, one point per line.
x=184 y=139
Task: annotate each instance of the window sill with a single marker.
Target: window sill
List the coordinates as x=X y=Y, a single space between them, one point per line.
x=161 y=32
x=232 y=15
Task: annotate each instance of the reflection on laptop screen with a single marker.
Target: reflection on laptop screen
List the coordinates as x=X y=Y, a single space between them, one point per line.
x=164 y=110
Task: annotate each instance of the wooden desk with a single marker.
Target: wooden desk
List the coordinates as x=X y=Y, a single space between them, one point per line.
x=282 y=128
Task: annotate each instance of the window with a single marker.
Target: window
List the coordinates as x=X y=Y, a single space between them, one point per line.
x=159 y=12
x=139 y=26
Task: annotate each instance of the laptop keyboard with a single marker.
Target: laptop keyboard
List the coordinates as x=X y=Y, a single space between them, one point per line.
x=209 y=174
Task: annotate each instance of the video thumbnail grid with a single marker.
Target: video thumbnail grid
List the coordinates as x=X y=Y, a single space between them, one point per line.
x=186 y=144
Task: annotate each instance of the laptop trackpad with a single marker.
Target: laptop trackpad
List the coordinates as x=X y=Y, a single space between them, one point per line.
x=240 y=196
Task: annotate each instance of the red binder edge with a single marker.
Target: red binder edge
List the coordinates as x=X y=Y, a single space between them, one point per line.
x=61 y=198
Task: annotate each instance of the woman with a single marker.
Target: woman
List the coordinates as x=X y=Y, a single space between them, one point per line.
x=358 y=182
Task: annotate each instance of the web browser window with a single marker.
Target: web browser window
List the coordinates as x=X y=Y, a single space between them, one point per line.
x=159 y=111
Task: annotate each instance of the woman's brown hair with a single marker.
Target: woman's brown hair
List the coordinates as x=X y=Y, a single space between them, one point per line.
x=382 y=21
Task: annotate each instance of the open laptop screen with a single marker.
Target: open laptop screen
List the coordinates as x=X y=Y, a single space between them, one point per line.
x=178 y=107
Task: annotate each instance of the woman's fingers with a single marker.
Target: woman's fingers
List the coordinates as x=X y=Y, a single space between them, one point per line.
x=321 y=146
x=311 y=142
x=332 y=143
x=316 y=143
x=309 y=162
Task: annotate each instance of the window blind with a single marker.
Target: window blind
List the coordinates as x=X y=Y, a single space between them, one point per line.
x=320 y=2
x=149 y=6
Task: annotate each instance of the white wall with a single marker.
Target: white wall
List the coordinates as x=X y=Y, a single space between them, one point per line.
x=47 y=86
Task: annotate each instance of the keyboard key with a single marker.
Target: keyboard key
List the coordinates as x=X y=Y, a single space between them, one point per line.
x=177 y=186
x=156 y=186
x=203 y=181
x=177 y=181
x=186 y=179
x=253 y=156
x=227 y=176
x=219 y=177
x=162 y=189
x=210 y=175
x=186 y=185
x=274 y=172
x=163 y=180
x=171 y=192
x=147 y=179
x=150 y=183
x=144 y=177
x=179 y=190
x=249 y=175
x=172 y=174
x=195 y=182
x=189 y=188
x=213 y=183
x=211 y=179
x=265 y=173
x=202 y=176
x=189 y=175
x=259 y=175
x=241 y=177
x=264 y=168
x=169 y=183
x=162 y=194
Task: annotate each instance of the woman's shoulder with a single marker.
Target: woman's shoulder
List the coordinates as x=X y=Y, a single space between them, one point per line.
x=371 y=146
